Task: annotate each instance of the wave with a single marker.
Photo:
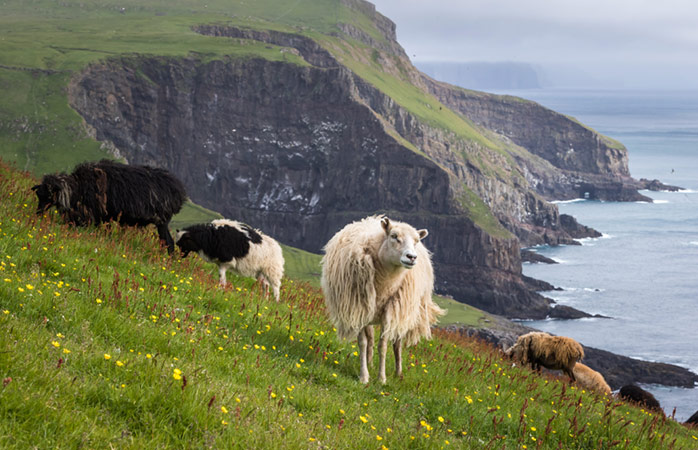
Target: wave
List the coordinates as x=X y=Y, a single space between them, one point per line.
x=660 y=202
x=576 y=200
x=585 y=289
x=693 y=243
x=590 y=240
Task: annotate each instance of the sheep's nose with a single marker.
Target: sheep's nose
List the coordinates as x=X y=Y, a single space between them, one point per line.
x=411 y=256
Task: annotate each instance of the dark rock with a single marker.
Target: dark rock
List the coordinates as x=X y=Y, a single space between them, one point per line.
x=577 y=230
x=567 y=312
x=535 y=257
x=621 y=370
x=656 y=185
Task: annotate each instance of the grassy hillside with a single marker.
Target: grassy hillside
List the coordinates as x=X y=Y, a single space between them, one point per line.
x=45 y=42
x=106 y=342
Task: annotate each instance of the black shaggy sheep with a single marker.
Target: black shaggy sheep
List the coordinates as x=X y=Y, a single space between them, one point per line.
x=97 y=192
x=237 y=246
x=693 y=420
x=640 y=396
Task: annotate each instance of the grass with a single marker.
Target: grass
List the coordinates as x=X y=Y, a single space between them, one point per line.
x=107 y=342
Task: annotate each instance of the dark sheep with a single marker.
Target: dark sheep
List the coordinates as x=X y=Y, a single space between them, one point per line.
x=104 y=191
x=693 y=420
x=633 y=393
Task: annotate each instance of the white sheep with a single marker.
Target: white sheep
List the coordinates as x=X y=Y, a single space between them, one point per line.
x=375 y=271
x=237 y=246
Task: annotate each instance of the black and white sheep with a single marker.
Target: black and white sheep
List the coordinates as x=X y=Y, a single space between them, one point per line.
x=237 y=246
x=97 y=192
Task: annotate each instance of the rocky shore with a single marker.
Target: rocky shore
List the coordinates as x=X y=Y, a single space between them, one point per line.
x=618 y=370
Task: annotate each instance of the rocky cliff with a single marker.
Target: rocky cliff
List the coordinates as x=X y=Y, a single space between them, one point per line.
x=300 y=149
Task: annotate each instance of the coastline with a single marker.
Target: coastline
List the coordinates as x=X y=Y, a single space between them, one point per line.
x=618 y=370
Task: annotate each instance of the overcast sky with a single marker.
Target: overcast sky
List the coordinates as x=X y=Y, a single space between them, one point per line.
x=633 y=43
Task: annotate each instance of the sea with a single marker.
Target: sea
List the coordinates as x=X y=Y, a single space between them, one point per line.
x=643 y=272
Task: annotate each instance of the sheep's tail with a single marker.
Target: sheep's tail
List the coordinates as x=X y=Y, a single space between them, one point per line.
x=348 y=284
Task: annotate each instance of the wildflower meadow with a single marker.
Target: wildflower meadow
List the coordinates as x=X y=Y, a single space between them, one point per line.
x=108 y=342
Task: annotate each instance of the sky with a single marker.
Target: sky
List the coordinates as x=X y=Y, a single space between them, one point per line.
x=619 y=43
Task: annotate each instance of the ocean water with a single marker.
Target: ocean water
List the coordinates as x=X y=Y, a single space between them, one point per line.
x=643 y=272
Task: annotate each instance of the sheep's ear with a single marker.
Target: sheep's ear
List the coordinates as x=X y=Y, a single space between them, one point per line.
x=385 y=223
x=422 y=233
x=36 y=187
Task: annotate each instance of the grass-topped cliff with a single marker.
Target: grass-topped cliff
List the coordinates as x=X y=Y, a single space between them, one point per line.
x=105 y=342
x=297 y=117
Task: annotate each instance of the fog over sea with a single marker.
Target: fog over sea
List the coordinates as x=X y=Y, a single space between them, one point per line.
x=643 y=272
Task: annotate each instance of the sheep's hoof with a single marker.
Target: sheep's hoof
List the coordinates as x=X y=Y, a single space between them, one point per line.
x=383 y=380
x=363 y=380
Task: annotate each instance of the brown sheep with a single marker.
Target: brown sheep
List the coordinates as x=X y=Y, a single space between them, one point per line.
x=552 y=352
x=590 y=379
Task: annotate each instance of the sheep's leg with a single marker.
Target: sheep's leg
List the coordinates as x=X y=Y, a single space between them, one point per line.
x=382 y=350
x=276 y=289
x=363 y=371
x=369 y=345
x=397 y=350
x=569 y=373
x=221 y=272
x=166 y=237
x=261 y=279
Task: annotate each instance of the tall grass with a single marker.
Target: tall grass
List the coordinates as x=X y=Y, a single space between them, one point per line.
x=105 y=342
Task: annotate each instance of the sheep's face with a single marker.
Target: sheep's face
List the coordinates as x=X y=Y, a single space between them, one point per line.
x=399 y=246
x=48 y=193
x=185 y=243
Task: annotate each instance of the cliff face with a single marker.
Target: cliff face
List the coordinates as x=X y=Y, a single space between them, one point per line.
x=300 y=150
x=290 y=150
x=584 y=163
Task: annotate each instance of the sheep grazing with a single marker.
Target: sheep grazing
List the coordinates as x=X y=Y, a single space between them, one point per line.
x=590 y=379
x=237 y=246
x=97 y=192
x=552 y=352
x=376 y=271
x=636 y=394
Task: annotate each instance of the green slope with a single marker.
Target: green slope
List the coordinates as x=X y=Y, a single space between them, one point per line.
x=105 y=342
